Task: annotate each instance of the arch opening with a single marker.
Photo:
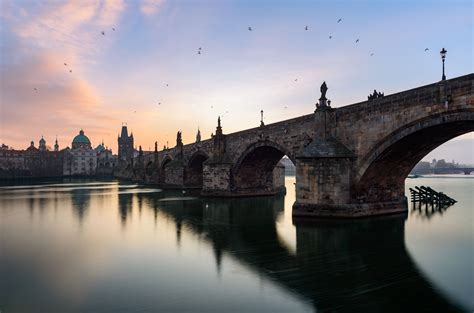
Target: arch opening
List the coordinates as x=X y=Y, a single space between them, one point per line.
x=149 y=169
x=259 y=170
x=382 y=176
x=194 y=171
x=162 y=177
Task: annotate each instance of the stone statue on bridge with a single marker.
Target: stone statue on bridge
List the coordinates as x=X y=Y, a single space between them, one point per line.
x=179 y=140
x=323 y=101
x=324 y=89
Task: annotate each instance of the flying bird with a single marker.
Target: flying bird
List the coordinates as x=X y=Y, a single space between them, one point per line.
x=357 y=40
x=372 y=54
x=426 y=49
x=65 y=64
x=166 y=85
x=36 y=89
x=159 y=103
x=306 y=28
x=199 y=51
x=103 y=33
x=296 y=79
x=250 y=28
x=339 y=20
x=200 y=48
x=70 y=71
x=113 y=29
x=330 y=37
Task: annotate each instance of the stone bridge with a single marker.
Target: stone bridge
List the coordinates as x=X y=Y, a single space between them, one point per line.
x=350 y=161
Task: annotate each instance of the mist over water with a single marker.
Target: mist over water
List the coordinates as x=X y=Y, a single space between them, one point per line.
x=82 y=246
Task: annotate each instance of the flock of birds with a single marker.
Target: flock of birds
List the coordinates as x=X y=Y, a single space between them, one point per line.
x=200 y=51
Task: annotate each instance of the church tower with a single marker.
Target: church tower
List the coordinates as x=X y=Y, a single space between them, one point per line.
x=125 y=145
x=56 y=146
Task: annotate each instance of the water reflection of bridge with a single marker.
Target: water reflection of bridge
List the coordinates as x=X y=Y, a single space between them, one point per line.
x=353 y=266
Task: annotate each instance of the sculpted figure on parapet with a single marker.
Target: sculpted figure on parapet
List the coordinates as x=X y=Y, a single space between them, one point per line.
x=375 y=95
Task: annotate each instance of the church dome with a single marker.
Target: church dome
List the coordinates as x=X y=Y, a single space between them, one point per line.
x=81 y=138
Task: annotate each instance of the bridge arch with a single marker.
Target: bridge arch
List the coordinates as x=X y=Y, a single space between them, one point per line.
x=381 y=173
x=193 y=174
x=253 y=172
x=149 y=168
x=166 y=160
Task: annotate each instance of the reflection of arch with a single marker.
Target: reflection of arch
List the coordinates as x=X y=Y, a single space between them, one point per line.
x=349 y=266
x=193 y=171
x=253 y=170
x=383 y=170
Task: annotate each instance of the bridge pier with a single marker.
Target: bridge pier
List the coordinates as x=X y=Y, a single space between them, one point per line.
x=324 y=185
x=174 y=174
x=216 y=178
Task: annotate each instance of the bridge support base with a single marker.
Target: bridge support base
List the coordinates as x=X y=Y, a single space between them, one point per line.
x=306 y=210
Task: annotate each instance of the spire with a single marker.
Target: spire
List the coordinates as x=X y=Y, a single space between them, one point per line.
x=198 y=135
x=156 y=146
x=219 y=127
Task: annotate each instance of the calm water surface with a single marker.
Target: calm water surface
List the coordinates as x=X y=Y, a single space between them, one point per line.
x=82 y=246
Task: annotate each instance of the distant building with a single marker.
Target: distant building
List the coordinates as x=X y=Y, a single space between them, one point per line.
x=32 y=162
x=106 y=161
x=125 y=146
x=81 y=159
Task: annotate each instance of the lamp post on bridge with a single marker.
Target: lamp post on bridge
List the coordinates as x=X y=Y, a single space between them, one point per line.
x=443 y=57
x=261 y=118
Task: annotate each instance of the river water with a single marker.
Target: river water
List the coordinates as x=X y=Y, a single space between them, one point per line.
x=82 y=246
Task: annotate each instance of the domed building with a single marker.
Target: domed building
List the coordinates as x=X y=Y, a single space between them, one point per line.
x=81 y=141
x=82 y=159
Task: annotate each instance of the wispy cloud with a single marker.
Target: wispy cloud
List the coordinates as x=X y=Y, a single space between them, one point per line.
x=151 y=7
x=45 y=55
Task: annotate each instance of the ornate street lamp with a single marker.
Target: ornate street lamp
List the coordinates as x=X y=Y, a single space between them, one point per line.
x=261 y=118
x=443 y=57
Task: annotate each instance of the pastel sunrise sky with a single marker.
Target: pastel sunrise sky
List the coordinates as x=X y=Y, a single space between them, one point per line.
x=148 y=55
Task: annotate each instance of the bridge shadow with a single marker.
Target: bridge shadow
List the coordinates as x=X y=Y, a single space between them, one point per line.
x=343 y=266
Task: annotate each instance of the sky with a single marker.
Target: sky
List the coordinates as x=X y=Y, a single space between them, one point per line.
x=145 y=69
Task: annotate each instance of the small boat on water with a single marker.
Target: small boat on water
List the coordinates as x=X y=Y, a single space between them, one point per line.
x=414 y=176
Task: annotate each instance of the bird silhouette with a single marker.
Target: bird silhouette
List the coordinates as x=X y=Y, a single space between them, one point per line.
x=372 y=54
x=70 y=71
x=330 y=37
x=113 y=29
x=159 y=103
x=65 y=64
x=199 y=52
x=36 y=89
x=286 y=107
x=166 y=85
x=250 y=28
x=357 y=40
x=200 y=48
x=426 y=49
x=306 y=28
x=339 y=20
x=103 y=33
x=296 y=79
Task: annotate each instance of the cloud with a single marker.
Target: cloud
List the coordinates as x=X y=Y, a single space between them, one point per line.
x=151 y=7
x=36 y=88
